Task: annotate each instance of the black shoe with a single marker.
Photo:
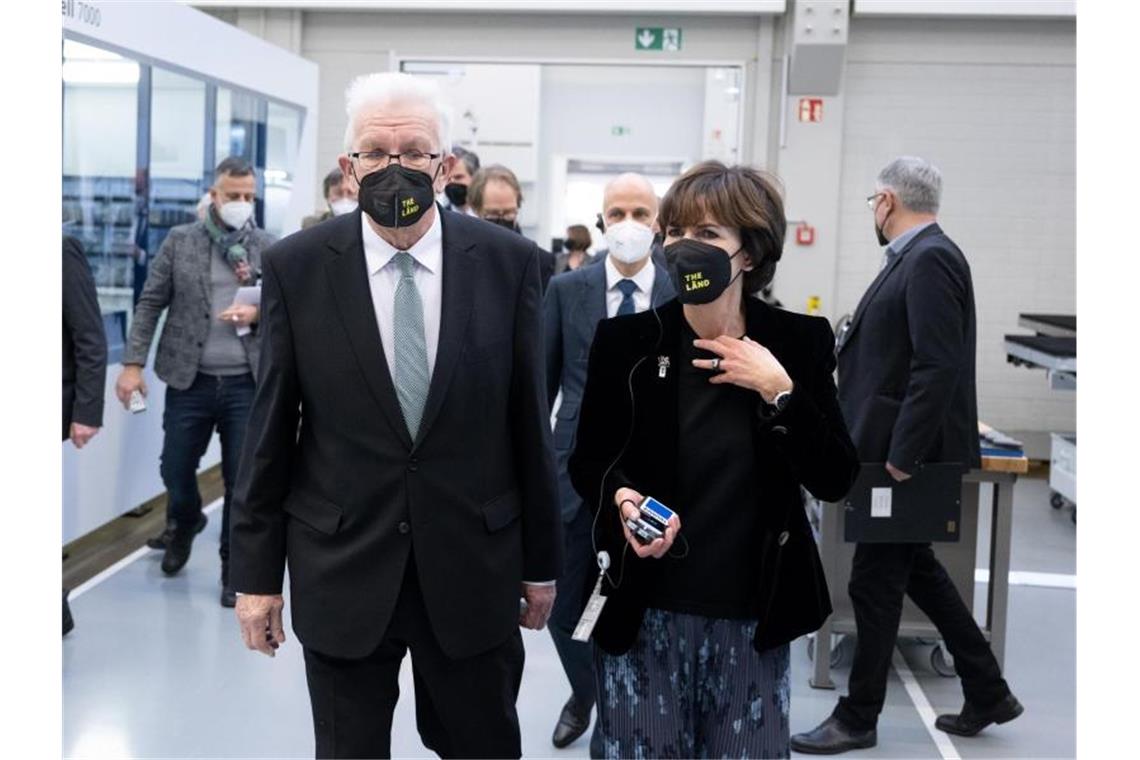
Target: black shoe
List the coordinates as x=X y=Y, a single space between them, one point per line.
x=177 y=552
x=832 y=737
x=68 y=621
x=971 y=720
x=162 y=539
x=229 y=596
x=572 y=723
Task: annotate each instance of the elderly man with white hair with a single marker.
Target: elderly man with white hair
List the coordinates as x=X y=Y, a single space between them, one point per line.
x=907 y=392
x=399 y=455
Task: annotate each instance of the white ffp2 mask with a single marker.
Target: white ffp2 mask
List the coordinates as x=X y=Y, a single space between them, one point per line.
x=629 y=241
x=343 y=206
x=236 y=213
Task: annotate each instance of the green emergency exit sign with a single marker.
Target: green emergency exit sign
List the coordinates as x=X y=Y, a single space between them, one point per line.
x=657 y=38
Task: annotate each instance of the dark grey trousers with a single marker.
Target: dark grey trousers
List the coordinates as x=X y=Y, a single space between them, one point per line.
x=693 y=686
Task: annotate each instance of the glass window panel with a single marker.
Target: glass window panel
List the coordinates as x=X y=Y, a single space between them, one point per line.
x=236 y=127
x=282 y=140
x=177 y=152
x=100 y=125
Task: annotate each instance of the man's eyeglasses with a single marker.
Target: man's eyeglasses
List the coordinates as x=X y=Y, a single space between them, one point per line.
x=371 y=160
x=872 y=198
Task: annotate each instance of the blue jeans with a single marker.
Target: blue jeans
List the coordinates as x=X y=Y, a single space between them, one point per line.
x=189 y=421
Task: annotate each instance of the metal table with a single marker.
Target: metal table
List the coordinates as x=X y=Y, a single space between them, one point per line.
x=958 y=558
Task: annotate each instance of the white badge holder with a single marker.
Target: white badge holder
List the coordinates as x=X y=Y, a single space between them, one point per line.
x=594 y=606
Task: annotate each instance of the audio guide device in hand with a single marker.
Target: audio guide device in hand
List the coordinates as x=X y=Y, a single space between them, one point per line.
x=651 y=521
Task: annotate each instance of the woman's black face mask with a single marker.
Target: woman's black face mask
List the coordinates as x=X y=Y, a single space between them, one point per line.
x=396 y=196
x=700 y=271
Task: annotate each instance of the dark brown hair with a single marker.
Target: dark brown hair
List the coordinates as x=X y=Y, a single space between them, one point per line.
x=734 y=196
x=492 y=173
x=577 y=237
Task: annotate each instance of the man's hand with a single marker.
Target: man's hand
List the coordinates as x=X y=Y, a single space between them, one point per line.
x=129 y=381
x=260 y=619
x=627 y=500
x=81 y=434
x=896 y=473
x=239 y=315
x=539 y=603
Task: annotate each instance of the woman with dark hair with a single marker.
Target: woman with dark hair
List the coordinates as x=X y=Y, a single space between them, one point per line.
x=721 y=408
x=577 y=243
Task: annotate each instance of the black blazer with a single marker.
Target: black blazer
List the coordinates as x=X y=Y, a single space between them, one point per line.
x=347 y=497
x=84 y=342
x=907 y=361
x=804 y=445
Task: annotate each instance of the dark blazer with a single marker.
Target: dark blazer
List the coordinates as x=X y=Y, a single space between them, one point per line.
x=804 y=445
x=574 y=305
x=84 y=342
x=350 y=496
x=907 y=361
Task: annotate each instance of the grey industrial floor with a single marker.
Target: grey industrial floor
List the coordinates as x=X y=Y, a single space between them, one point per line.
x=155 y=668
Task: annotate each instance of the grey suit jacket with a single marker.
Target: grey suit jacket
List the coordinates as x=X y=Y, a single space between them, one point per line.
x=575 y=303
x=179 y=279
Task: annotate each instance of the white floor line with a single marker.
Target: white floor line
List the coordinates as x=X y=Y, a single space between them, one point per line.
x=1027 y=578
x=925 y=711
x=91 y=583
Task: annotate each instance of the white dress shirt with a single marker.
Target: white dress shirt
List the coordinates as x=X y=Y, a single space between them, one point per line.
x=643 y=279
x=384 y=276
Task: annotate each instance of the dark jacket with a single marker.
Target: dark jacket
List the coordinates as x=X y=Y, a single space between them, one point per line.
x=574 y=304
x=178 y=280
x=350 y=496
x=804 y=445
x=84 y=342
x=907 y=361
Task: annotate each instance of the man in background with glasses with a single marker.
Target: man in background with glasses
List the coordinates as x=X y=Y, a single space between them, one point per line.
x=400 y=456
x=495 y=196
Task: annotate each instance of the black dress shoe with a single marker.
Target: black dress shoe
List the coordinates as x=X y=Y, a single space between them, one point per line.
x=162 y=539
x=177 y=552
x=972 y=720
x=572 y=723
x=832 y=737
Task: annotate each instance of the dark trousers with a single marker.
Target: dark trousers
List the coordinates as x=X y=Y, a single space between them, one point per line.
x=880 y=575
x=579 y=569
x=464 y=708
x=191 y=415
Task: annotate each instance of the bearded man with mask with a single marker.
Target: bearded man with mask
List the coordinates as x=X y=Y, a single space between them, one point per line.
x=400 y=455
x=495 y=196
x=628 y=282
x=907 y=390
x=207 y=355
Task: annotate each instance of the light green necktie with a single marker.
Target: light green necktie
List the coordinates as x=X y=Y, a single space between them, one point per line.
x=412 y=378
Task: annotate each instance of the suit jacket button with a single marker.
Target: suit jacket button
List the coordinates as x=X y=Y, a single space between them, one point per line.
x=783 y=539
x=779 y=429
x=413 y=466
x=404 y=528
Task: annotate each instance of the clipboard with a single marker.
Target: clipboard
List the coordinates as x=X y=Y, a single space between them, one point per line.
x=925 y=508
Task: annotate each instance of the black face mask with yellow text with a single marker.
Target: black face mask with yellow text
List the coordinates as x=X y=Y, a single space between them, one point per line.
x=700 y=271
x=396 y=196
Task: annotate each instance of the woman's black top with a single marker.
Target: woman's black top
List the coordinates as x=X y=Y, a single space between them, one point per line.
x=718 y=497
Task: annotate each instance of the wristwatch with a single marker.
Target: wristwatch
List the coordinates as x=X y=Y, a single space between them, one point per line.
x=781 y=401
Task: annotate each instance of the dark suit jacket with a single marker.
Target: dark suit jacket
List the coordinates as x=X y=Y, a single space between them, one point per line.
x=574 y=305
x=906 y=364
x=84 y=342
x=804 y=445
x=349 y=497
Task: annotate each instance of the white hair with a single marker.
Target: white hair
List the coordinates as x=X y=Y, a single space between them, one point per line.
x=916 y=182
x=388 y=87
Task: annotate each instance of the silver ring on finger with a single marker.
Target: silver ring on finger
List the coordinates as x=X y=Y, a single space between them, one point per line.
x=716 y=364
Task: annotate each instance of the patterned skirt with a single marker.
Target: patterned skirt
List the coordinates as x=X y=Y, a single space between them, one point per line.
x=693 y=686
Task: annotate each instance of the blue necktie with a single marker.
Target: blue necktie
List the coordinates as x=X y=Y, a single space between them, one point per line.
x=412 y=376
x=627 y=288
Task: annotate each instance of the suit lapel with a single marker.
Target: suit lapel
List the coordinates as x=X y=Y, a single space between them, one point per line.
x=205 y=266
x=460 y=278
x=662 y=286
x=348 y=276
x=877 y=283
x=592 y=301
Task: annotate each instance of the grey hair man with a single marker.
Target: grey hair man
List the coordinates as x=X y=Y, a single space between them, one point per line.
x=400 y=455
x=908 y=395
